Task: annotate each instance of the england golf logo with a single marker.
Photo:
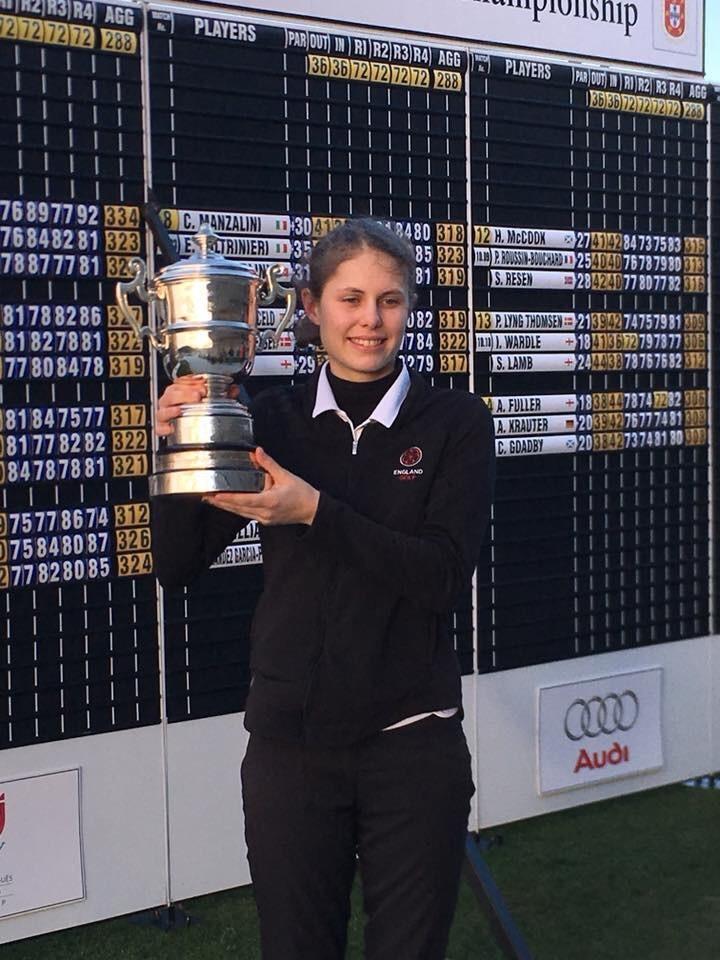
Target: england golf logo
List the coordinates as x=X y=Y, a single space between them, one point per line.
x=411 y=457
x=409 y=461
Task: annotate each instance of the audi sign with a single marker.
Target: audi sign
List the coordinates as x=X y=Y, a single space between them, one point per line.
x=599 y=729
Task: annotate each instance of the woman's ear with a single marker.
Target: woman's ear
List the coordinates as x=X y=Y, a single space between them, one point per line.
x=310 y=306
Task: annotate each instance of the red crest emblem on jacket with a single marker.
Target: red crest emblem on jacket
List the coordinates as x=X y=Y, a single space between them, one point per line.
x=2 y=812
x=411 y=457
x=675 y=17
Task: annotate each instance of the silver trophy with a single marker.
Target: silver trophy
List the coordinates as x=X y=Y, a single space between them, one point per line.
x=207 y=325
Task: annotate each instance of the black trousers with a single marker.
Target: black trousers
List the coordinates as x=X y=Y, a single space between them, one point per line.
x=397 y=804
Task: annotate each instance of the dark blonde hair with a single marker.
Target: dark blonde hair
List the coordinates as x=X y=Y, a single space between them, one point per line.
x=348 y=239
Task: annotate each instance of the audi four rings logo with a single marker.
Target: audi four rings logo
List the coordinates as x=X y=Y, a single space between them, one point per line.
x=590 y=718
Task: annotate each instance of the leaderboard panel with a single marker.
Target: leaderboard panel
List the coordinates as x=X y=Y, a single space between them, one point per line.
x=567 y=281
x=590 y=297
x=77 y=602
x=289 y=133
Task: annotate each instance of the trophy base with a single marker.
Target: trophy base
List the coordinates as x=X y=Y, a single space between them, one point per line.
x=205 y=471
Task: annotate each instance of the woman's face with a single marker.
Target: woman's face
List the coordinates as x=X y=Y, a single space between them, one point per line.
x=361 y=314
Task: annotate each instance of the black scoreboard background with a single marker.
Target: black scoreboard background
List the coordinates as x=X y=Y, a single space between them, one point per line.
x=560 y=217
x=607 y=547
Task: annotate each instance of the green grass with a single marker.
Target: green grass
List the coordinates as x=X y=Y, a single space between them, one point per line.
x=636 y=878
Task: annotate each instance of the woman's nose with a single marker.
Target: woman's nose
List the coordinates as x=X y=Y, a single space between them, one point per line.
x=372 y=316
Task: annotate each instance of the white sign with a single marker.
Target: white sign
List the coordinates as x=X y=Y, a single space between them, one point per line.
x=661 y=33
x=40 y=849
x=599 y=729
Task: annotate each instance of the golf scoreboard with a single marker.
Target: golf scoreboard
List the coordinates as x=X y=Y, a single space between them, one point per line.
x=562 y=220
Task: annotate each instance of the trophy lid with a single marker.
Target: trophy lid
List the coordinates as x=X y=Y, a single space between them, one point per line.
x=205 y=262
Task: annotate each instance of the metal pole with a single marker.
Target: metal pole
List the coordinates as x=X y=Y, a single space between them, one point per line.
x=506 y=933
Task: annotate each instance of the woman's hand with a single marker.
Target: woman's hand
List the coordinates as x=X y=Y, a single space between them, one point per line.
x=285 y=499
x=189 y=389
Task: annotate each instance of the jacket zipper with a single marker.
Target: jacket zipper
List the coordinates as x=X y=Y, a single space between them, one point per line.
x=355 y=431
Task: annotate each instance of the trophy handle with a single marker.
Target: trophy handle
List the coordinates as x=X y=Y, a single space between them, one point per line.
x=275 y=290
x=138 y=286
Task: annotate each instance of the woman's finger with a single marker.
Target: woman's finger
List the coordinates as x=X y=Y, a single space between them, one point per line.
x=185 y=390
x=182 y=393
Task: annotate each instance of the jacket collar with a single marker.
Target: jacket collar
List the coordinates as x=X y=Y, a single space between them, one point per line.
x=385 y=412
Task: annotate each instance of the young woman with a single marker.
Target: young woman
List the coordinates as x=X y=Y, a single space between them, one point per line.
x=377 y=496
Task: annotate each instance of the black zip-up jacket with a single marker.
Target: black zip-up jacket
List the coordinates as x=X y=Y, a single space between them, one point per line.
x=351 y=633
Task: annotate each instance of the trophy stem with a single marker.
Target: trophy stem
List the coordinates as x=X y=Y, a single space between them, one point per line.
x=217 y=386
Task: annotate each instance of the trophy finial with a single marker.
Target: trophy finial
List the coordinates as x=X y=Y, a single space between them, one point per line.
x=205 y=240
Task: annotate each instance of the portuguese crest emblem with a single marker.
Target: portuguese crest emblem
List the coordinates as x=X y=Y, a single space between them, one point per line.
x=675 y=17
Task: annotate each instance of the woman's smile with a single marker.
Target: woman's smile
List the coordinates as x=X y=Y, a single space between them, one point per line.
x=366 y=342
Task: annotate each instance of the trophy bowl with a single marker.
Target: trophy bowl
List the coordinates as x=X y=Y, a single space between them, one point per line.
x=226 y=349
x=207 y=326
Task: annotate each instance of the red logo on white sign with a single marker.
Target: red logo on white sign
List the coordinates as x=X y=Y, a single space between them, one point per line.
x=675 y=17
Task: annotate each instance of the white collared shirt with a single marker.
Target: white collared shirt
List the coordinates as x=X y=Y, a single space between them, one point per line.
x=384 y=413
